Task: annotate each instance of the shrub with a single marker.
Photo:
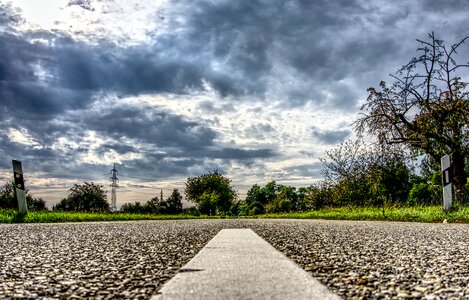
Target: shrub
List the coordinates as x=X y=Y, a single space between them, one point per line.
x=420 y=194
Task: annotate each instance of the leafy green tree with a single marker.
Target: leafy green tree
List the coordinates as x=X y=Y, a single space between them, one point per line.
x=426 y=189
x=212 y=192
x=36 y=204
x=235 y=208
x=270 y=191
x=133 y=208
x=289 y=193
x=426 y=108
x=420 y=194
x=153 y=206
x=302 y=199
x=88 y=197
x=255 y=201
x=285 y=200
x=363 y=175
x=243 y=208
x=272 y=197
x=7 y=196
x=318 y=196
x=174 y=203
x=345 y=171
x=389 y=177
x=7 y=199
x=207 y=203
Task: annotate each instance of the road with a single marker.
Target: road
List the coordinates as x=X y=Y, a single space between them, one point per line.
x=133 y=259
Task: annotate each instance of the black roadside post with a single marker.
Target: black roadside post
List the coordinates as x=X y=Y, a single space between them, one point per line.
x=19 y=187
x=447 y=185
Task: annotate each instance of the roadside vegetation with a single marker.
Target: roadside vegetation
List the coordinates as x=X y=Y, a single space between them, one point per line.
x=425 y=214
x=12 y=216
x=389 y=171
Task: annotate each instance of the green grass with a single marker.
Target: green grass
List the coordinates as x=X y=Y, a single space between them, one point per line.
x=429 y=214
x=407 y=214
x=11 y=216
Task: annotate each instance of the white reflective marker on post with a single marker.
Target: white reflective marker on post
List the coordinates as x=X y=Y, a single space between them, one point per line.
x=447 y=185
x=19 y=187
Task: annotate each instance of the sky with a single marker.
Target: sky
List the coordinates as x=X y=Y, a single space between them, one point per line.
x=168 y=89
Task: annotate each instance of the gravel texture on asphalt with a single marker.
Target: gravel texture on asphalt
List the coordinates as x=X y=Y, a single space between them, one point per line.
x=96 y=260
x=133 y=259
x=385 y=260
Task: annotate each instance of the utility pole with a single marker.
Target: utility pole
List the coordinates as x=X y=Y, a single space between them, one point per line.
x=114 y=186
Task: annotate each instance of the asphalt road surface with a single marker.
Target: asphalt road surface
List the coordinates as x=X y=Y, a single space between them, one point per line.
x=356 y=260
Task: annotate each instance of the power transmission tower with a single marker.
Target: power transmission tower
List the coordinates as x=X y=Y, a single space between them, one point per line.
x=114 y=186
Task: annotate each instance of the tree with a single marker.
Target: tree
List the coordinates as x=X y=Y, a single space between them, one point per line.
x=135 y=208
x=212 y=192
x=273 y=197
x=87 y=197
x=302 y=199
x=7 y=196
x=318 y=196
x=362 y=174
x=174 y=203
x=36 y=204
x=7 y=199
x=426 y=108
x=153 y=206
x=285 y=200
x=255 y=201
x=345 y=170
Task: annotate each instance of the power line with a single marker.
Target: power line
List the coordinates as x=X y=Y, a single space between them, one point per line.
x=150 y=187
x=144 y=178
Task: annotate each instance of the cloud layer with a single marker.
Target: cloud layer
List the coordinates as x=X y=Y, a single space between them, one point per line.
x=257 y=89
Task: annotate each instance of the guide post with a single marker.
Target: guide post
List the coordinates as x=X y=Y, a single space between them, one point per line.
x=19 y=187
x=447 y=185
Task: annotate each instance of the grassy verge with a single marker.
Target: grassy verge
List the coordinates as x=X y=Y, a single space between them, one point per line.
x=432 y=214
x=407 y=214
x=11 y=216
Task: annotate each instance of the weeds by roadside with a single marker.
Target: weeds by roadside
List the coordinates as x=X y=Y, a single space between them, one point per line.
x=429 y=214
x=11 y=216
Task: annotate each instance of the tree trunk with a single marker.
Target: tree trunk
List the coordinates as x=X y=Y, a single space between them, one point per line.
x=459 y=177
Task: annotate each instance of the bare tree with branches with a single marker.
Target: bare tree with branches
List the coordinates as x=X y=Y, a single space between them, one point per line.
x=426 y=108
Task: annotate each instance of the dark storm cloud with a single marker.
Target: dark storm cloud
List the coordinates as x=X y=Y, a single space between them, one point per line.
x=235 y=154
x=164 y=130
x=35 y=159
x=148 y=125
x=22 y=90
x=330 y=137
x=44 y=74
x=449 y=5
x=323 y=41
x=118 y=148
x=169 y=143
x=234 y=46
x=260 y=131
x=161 y=168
